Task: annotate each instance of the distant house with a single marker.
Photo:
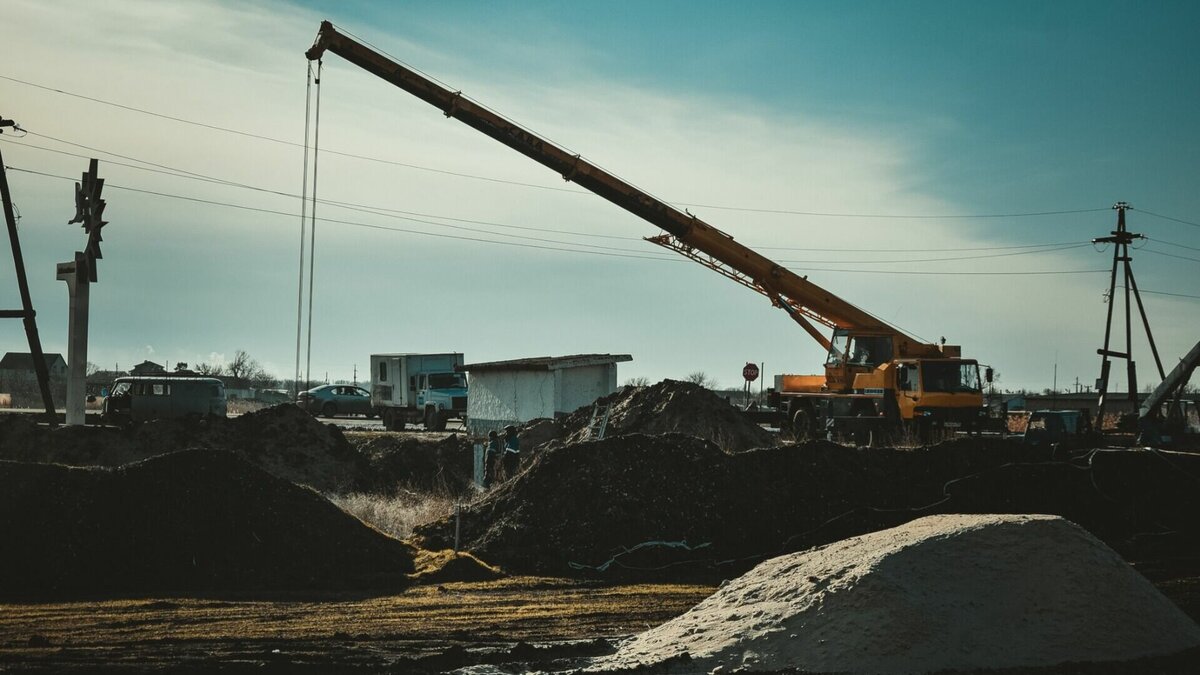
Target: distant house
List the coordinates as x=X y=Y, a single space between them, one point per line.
x=147 y=368
x=512 y=392
x=18 y=378
x=17 y=367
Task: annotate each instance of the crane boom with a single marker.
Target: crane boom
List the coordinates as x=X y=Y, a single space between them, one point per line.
x=803 y=300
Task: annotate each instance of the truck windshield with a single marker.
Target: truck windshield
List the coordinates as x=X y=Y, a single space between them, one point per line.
x=950 y=376
x=446 y=381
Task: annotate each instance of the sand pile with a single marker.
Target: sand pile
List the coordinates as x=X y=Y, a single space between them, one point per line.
x=282 y=439
x=671 y=406
x=619 y=507
x=195 y=520
x=946 y=592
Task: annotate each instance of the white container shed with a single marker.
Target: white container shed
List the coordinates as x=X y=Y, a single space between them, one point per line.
x=517 y=391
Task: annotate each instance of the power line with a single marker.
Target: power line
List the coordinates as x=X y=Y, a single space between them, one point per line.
x=1171 y=243
x=405 y=215
x=1177 y=220
x=517 y=244
x=351 y=222
x=918 y=250
x=951 y=259
x=1037 y=273
x=1177 y=295
x=895 y=215
x=367 y=209
x=822 y=214
x=1169 y=255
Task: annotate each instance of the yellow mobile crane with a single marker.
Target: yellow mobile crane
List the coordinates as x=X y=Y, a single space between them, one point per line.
x=876 y=377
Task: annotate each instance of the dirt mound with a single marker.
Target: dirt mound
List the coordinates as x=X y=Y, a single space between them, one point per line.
x=670 y=407
x=282 y=439
x=670 y=506
x=411 y=462
x=195 y=520
x=944 y=592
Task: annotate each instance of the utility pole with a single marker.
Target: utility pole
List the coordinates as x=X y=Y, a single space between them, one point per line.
x=1121 y=238
x=26 y=312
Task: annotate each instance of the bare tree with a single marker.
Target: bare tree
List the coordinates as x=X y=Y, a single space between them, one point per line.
x=241 y=365
x=210 y=370
x=90 y=369
x=701 y=378
x=247 y=371
x=637 y=382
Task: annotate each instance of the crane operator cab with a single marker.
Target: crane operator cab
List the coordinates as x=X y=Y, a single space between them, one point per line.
x=859 y=350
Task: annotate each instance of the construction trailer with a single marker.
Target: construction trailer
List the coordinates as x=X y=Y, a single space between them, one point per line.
x=520 y=390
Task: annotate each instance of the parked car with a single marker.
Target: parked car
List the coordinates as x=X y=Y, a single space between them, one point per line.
x=336 y=399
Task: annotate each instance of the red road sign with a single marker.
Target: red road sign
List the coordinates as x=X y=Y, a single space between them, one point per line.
x=750 y=372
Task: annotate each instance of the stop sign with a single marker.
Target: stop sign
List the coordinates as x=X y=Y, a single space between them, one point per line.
x=750 y=372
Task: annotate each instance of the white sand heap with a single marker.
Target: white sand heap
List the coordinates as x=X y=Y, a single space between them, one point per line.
x=943 y=592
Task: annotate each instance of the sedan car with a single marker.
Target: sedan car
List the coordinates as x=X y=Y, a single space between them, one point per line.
x=336 y=399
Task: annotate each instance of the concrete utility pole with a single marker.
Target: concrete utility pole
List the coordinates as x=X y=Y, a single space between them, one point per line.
x=79 y=275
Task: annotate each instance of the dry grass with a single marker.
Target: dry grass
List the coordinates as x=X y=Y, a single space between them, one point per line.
x=238 y=406
x=160 y=635
x=395 y=514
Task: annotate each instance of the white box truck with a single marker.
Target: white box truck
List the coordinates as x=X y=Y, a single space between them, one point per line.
x=418 y=388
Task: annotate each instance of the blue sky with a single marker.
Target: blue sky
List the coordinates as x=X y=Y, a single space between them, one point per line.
x=894 y=109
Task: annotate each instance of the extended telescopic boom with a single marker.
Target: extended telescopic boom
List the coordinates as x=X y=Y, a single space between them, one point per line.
x=803 y=300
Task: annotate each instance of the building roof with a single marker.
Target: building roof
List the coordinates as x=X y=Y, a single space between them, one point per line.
x=548 y=362
x=24 y=360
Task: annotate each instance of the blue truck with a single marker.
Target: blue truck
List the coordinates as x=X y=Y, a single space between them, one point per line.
x=424 y=389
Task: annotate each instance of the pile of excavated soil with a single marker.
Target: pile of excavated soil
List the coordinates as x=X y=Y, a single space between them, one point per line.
x=195 y=520
x=944 y=592
x=282 y=439
x=415 y=463
x=674 y=506
x=668 y=407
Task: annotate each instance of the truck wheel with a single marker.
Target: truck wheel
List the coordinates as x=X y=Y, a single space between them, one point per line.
x=434 y=420
x=802 y=424
x=328 y=410
x=864 y=437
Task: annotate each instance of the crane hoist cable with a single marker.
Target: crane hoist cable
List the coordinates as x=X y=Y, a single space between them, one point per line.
x=303 y=226
x=312 y=230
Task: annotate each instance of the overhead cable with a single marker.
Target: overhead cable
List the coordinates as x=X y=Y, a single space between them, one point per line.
x=823 y=214
x=1025 y=249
